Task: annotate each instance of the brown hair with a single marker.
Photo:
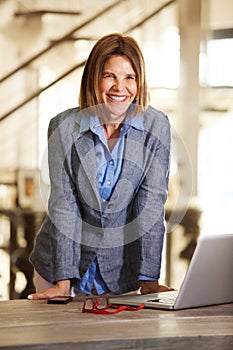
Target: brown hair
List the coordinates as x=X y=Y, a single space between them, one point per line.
x=107 y=46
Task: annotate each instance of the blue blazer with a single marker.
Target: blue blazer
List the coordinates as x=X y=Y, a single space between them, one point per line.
x=127 y=236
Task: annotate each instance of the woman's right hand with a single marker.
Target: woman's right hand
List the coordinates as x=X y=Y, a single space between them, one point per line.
x=61 y=288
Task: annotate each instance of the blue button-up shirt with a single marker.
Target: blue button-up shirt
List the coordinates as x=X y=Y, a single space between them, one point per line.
x=109 y=165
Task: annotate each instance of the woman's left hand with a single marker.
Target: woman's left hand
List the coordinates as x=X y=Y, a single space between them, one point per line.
x=148 y=287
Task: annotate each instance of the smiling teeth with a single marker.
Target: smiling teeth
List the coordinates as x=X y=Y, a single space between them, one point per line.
x=117 y=98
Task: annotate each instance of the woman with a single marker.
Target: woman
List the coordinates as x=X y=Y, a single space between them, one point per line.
x=109 y=167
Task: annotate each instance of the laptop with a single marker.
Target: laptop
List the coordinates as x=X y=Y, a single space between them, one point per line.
x=208 y=281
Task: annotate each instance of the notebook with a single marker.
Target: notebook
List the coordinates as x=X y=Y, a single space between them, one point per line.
x=208 y=281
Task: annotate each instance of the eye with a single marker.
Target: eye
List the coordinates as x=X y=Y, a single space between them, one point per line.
x=108 y=75
x=131 y=77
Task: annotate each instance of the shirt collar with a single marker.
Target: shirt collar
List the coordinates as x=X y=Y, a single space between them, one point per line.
x=92 y=122
x=89 y=123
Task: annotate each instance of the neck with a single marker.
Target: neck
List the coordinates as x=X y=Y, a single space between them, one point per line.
x=112 y=130
x=112 y=120
x=112 y=124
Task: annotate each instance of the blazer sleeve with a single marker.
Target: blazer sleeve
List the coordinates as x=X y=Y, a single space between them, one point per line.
x=150 y=201
x=56 y=253
x=64 y=209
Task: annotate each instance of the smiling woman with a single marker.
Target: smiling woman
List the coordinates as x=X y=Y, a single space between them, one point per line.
x=109 y=167
x=118 y=86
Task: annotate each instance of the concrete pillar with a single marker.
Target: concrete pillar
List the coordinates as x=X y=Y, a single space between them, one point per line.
x=188 y=101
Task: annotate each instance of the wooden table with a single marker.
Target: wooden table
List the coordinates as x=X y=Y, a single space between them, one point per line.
x=30 y=325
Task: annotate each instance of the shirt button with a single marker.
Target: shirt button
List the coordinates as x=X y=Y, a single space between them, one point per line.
x=108 y=182
x=111 y=162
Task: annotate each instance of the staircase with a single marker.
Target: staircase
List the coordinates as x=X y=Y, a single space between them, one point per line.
x=47 y=78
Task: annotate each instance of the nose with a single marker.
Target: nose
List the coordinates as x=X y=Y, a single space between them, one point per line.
x=118 y=84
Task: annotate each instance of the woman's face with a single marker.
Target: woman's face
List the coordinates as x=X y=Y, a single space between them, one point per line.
x=118 y=85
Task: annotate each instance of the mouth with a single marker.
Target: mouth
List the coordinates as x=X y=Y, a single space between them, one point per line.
x=117 y=98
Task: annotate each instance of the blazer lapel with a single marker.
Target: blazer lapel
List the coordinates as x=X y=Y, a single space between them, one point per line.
x=134 y=150
x=84 y=146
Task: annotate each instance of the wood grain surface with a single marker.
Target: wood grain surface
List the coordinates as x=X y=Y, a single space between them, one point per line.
x=28 y=324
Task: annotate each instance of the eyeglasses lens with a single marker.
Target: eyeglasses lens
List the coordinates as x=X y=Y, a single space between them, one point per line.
x=89 y=304
x=102 y=303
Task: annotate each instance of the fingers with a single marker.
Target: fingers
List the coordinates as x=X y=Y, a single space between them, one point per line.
x=155 y=289
x=46 y=294
x=38 y=296
x=165 y=289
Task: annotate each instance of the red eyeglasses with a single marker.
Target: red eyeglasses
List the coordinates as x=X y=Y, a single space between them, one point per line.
x=100 y=305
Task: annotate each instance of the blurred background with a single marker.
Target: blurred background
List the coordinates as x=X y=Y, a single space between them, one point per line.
x=188 y=49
